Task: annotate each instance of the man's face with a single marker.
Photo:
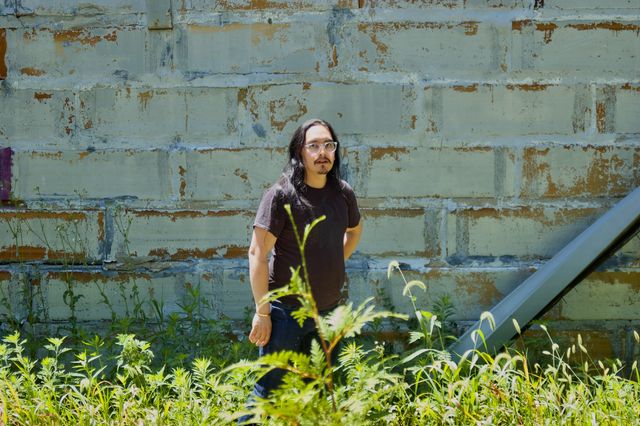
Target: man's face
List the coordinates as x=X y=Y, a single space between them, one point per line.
x=321 y=162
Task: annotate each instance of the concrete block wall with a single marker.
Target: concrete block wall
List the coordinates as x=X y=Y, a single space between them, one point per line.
x=480 y=137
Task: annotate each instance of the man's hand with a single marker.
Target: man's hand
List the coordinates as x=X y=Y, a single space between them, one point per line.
x=262 y=241
x=260 y=330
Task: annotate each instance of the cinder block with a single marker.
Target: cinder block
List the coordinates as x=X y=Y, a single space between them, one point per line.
x=221 y=174
x=159 y=15
x=368 y=109
x=627 y=109
x=584 y=49
x=513 y=109
x=256 y=6
x=396 y=232
x=164 y=114
x=433 y=49
x=95 y=296
x=99 y=174
x=591 y=4
x=579 y=171
x=261 y=47
x=523 y=232
x=605 y=295
x=498 y=4
x=410 y=4
x=32 y=116
x=88 y=8
x=235 y=294
x=471 y=291
x=181 y=235
x=440 y=172
x=67 y=237
x=84 y=53
x=14 y=296
x=629 y=254
x=601 y=342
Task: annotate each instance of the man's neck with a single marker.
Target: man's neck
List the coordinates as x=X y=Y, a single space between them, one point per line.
x=315 y=181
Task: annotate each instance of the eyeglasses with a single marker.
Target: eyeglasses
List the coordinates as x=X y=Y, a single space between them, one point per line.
x=314 y=147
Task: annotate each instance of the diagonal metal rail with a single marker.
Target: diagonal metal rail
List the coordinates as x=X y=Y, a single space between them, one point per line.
x=549 y=283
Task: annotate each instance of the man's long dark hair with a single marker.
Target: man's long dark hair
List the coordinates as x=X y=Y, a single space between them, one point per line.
x=293 y=173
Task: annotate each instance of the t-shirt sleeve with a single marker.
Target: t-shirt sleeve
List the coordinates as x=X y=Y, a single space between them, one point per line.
x=271 y=213
x=352 y=205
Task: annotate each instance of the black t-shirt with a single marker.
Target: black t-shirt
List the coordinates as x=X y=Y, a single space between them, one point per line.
x=324 y=251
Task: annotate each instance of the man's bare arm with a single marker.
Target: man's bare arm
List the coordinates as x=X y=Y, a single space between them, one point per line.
x=262 y=242
x=351 y=239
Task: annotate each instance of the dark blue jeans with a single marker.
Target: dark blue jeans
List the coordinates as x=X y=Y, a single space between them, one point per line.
x=286 y=334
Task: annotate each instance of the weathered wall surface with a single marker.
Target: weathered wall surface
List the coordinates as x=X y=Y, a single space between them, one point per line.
x=480 y=136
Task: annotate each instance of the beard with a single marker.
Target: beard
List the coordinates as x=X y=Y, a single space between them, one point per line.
x=325 y=167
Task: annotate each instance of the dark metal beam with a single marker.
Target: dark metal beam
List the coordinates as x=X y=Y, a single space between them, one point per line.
x=568 y=267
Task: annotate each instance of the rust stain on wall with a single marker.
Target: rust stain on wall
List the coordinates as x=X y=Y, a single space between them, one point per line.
x=41 y=96
x=159 y=252
x=519 y=25
x=470 y=28
x=101 y=226
x=27 y=215
x=22 y=253
x=333 y=61
x=77 y=277
x=629 y=86
x=183 y=182
x=478 y=285
x=611 y=26
x=51 y=155
x=280 y=105
x=247 y=98
x=189 y=214
x=3 y=52
x=32 y=72
x=601 y=116
x=30 y=35
x=380 y=153
x=260 y=4
x=196 y=253
x=88 y=277
x=235 y=252
x=372 y=30
x=629 y=278
x=392 y=212
x=5 y=275
x=242 y=175
x=532 y=169
x=144 y=98
x=474 y=149
x=533 y=87
x=548 y=28
x=468 y=89
x=606 y=174
x=82 y=36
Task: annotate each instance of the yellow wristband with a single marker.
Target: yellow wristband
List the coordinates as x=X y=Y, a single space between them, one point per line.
x=262 y=315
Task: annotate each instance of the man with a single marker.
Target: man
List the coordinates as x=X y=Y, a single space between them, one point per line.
x=311 y=184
